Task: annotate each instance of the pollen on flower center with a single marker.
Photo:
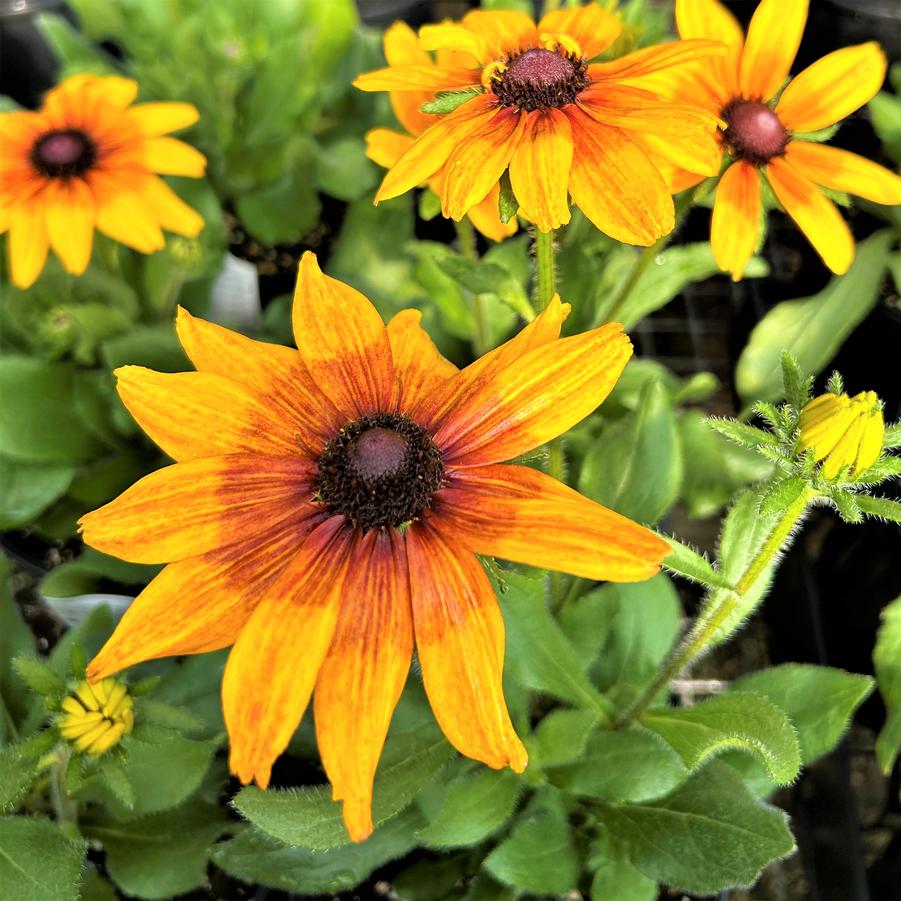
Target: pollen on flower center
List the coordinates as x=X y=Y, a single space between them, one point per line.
x=63 y=154
x=753 y=132
x=379 y=471
x=539 y=79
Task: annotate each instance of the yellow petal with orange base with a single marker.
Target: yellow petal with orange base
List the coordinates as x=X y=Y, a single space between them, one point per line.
x=814 y=214
x=538 y=397
x=417 y=78
x=460 y=645
x=363 y=674
x=69 y=208
x=592 y=27
x=774 y=35
x=710 y=20
x=654 y=59
x=402 y=49
x=200 y=414
x=735 y=225
x=273 y=666
x=832 y=88
x=502 y=31
x=343 y=343
x=192 y=508
x=523 y=515
x=615 y=184
x=420 y=367
x=540 y=166
x=840 y=170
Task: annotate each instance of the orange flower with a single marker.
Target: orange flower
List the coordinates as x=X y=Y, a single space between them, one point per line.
x=325 y=512
x=88 y=159
x=385 y=146
x=563 y=125
x=763 y=137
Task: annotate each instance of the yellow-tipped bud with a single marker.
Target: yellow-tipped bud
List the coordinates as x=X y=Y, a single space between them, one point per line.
x=843 y=431
x=96 y=716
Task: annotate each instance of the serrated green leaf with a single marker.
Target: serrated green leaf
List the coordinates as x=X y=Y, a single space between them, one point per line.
x=39 y=677
x=159 y=714
x=709 y=834
x=475 y=806
x=744 y=721
x=309 y=818
x=561 y=737
x=881 y=507
x=780 y=494
x=114 y=776
x=17 y=772
x=887 y=662
x=741 y=433
x=621 y=766
x=38 y=862
x=684 y=561
x=847 y=505
x=448 y=101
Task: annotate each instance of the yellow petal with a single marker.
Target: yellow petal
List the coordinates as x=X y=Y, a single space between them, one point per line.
x=385 y=147
x=840 y=170
x=27 y=243
x=172 y=213
x=169 y=156
x=159 y=118
x=735 y=225
x=774 y=36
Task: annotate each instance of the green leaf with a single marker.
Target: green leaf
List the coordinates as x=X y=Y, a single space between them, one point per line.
x=539 y=654
x=39 y=677
x=309 y=818
x=709 y=834
x=885 y=114
x=90 y=636
x=431 y=880
x=880 y=507
x=622 y=766
x=507 y=204
x=636 y=466
x=17 y=772
x=482 y=277
x=160 y=856
x=818 y=700
x=475 y=806
x=255 y=857
x=343 y=169
x=282 y=213
x=684 y=561
x=38 y=862
x=887 y=662
x=448 y=101
x=814 y=328
x=746 y=721
x=15 y=640
x=561 y=737
x=38 y=419
x=741 y=433
x=153 y=346
x=538 y=856
x=780 y=494
x=617 y=879
x=27 y=489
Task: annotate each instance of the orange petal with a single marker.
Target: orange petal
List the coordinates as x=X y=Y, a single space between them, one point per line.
x=419 y=365
x=593 y=27
x=385 y=147
x=485 y=217
x=273 y=666
x=539 y=168
x=502 y=31
x=710 y=20
x=478 y=163
x=192 y=508
x=274 y=372
x=27 y=243
x=774 y=35
x=840 y=170
x=677 y=180
x=432 y=148
x=813 y=213
x=654 y=59
x=735 y=226
x=364 y=672
x=69 y=208
x=202 y=603
x=199 y=414
x=615 y=184
x=159 y=118
x=460 y=645
x=541 y=395
x=523 y=515
x=833 y=87
x=343 y=343
x=417 y=78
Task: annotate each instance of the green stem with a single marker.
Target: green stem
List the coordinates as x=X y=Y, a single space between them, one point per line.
x=722 y=604
x=645 y=258
x=546 y=276
x=466 y=237
x=63 y=805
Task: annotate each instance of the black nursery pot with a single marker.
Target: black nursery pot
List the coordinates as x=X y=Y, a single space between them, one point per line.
x=28 y=66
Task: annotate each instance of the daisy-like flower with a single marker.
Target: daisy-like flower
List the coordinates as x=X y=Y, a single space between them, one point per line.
x=565 y=126
x=385 y=146
x=765 y=138
x=96 y=717
x=90 y=159
x=843 y=431
x=325 y=513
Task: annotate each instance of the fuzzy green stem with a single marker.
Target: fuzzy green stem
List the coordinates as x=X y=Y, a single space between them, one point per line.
x=721 y=606
x=546 y=276
x=466 y=237
x=64 y=806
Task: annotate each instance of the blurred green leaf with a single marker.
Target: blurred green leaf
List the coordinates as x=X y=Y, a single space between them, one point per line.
x=15 y=640
x=615 y=878
x=91 y=572
x=343 y=169
x=561 y=737
x=281 y=213
x=887 y=661
x=26 y=489
x=688 y=563
x=154 y=346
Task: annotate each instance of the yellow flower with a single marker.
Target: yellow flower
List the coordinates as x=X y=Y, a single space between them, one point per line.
x=89 y=159
x=97 y=716
x=564 y=125
x=844 y=431
x=765 y=137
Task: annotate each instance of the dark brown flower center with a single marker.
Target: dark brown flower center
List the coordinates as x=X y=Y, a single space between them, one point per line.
x=753 y=132
x=540 y=79
x=63 y=154
x=380 y=471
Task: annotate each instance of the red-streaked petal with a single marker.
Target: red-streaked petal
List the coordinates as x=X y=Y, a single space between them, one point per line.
x=420 y=367
x=736 y=218
x=774 y=35
x=593 y=27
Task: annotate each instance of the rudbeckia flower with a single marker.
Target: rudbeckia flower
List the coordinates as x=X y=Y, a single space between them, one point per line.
x=844 y=432
x=89 y=159
x=765 y=138
x=325 y=512
x=565 y=126
x=385 y=146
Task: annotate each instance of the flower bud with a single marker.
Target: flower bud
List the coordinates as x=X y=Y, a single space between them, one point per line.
x=843 y=431
x=97 y=716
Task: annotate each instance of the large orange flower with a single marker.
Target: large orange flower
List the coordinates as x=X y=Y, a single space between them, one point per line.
x=326 y=509
x=765 y=138
x=89 y=159
x=563 y=125
x=386 y=146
